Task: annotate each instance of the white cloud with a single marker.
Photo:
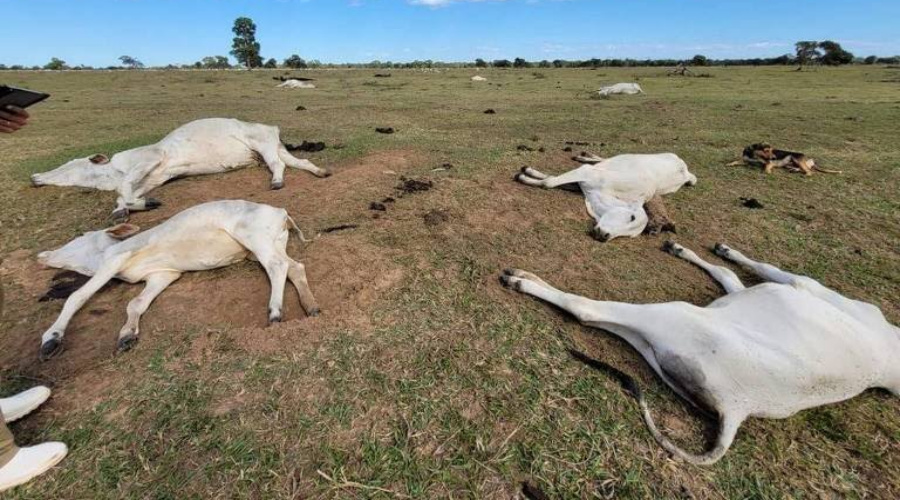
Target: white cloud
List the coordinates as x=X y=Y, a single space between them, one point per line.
x=444 y=3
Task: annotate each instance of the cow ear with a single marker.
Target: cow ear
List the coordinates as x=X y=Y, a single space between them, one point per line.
x=123 y=231
x=99 y=159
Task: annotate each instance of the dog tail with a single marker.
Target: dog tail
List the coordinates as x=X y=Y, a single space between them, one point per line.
x=816 y=167
x=728 y=424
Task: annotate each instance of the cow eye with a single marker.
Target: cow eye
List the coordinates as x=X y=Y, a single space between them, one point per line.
x=632 y=218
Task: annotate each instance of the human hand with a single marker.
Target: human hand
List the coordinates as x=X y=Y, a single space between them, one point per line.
x=12 y=118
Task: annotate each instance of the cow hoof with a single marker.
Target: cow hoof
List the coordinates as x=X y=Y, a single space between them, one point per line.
x=120 y=215
x=152 y=203
x=50 y=349
x=126 y=343
x=518 y=177
x=326 y=173
x=274 y=318
x=34 y=182
x=510 y=281
x=672 y=248
x=315 y=311
x=277 y=185
x=721 y=250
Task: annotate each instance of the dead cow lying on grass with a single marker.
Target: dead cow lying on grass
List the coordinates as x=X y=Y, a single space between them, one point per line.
x=207 y=236
x=766 y=351
x=200 y=147
x=620 y=88
x=616 y=189
x=294 y=83
x=767 y=157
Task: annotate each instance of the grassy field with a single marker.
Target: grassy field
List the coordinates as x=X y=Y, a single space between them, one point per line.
x=424 y=378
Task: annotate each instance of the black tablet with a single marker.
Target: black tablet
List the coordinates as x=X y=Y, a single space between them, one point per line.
x=11 y=96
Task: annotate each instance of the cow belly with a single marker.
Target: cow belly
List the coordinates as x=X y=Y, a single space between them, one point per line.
x=799 y=353
x=200 y=157
x=198 y=254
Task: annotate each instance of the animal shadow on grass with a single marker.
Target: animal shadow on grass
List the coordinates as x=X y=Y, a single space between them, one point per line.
x=65 y=283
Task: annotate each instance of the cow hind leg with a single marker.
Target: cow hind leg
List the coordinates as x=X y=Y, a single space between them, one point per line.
x=299 y=163
x=594 y=312
x=297 y=275
x=275 y=164
x=533 y=173
x=724 y=276
x=156 y=283
x=571 y=177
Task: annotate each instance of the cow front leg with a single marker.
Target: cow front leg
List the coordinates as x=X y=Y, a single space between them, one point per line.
x=156 y=283
x=724 y=276
x=124 y=207
x=51 y=340
x=765 y=271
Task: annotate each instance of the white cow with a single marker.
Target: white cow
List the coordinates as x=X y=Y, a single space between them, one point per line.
x=205 y=146
x=203 y=237
x=616 y=189
x=296 y=84
x=479 y=78
x=766 y=351
x=620 y=88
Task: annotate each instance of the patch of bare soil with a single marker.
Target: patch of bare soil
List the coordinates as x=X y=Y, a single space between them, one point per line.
x=347 y=274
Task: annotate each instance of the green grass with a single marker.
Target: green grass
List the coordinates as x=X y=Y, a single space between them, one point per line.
x=454 y=387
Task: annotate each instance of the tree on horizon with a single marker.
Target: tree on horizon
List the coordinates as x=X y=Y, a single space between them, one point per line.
x=245 y=48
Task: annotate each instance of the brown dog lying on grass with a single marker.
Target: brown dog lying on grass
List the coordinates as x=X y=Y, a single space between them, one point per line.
x=764 y=155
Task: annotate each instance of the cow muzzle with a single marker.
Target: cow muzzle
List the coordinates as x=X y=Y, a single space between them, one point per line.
x=600 y=235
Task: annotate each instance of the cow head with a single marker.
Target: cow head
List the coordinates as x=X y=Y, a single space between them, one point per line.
x=85 y=172
x=84 y=254
x=628 y=219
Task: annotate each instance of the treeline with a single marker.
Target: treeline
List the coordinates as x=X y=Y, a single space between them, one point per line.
x=222 y=62
x=246 y=50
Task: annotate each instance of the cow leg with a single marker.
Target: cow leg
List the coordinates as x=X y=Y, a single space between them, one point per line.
x=297 y=275
x=51 y=340
x=275 y=164
x=534 y=174
x=571 y=177
x=765 y=271
x=156 y=283
x=277 y=269
x=585 y=310
x=646 y=329
x=299 y=163
x=124 y=206
x=724 y=276
x=863 y=311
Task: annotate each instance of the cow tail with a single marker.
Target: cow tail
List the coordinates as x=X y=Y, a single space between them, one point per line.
x=728 y=425
x=296 y=228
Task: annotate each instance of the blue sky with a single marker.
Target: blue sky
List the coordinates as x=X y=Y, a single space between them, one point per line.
x=96 y=32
